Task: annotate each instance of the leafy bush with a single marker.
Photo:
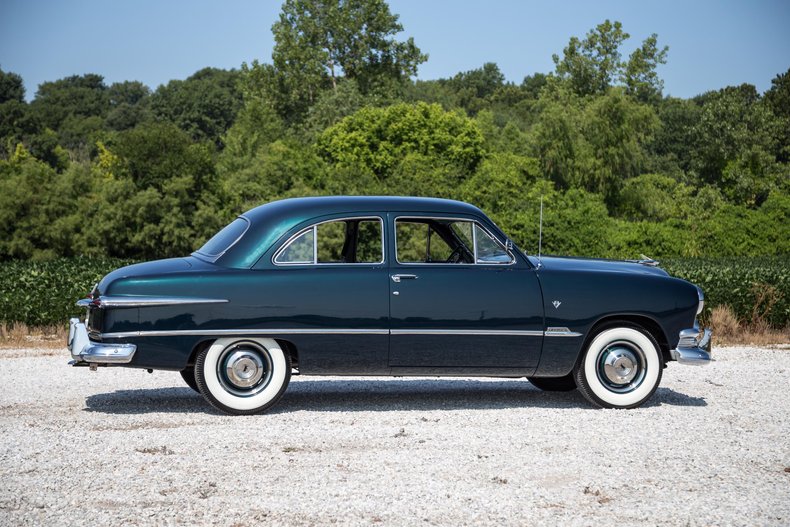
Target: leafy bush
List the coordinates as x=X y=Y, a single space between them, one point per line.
x=44 y=293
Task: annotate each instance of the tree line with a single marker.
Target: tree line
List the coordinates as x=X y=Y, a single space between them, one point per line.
x=121 y=170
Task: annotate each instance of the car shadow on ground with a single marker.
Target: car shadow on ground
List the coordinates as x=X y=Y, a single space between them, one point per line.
x=360 y=395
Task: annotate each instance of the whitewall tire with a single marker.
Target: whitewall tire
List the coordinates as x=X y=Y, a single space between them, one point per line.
x=242 y=375
x=621 y=367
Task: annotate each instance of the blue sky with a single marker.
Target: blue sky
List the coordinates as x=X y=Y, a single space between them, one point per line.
x=712 y=43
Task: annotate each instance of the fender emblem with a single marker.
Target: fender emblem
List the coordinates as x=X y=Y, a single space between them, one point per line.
x=556 y=304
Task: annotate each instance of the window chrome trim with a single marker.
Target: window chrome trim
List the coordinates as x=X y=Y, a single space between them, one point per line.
x=315 y=261
x=474 y=241
x=550 y=332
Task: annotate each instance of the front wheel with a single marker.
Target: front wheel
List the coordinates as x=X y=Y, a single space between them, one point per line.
x=621 y=368
x=242 y=376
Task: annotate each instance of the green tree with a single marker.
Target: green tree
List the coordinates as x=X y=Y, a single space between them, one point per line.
x=16 y=120
x=618 y=129
x=674 y=142
x=778 y=100
x=639 y=75
x=204 y=105
x=474 y=89
x=318 y=41
x=256 y=126
x=128 y=105
x=736 y=144
x=155 y=153
x=12 y=88
x=378 y=139
x=334 y=105
x=78 y=95
x=594 y=64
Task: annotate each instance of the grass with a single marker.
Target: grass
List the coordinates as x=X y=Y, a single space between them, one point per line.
x=18 y=335
x=728 y=330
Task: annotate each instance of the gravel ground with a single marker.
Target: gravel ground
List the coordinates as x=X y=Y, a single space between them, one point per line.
x=123 y=447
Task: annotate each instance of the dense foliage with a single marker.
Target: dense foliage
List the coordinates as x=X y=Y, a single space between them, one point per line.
x=44 y=293
x=124 y=171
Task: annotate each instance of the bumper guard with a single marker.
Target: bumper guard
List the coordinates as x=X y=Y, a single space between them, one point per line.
x=693 y=347
x=84 y=351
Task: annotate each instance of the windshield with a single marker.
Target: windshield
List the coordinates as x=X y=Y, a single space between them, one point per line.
x=224 y=239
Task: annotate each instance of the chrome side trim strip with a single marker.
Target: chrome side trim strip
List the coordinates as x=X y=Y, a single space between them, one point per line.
x=561 y=332
x=147 y=301
x=492 y=332
x=551 y=332
x=242 y=332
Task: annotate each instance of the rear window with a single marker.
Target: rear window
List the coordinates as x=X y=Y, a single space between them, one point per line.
x=222 y=241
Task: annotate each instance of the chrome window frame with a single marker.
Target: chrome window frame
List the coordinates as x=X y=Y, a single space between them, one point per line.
x=474 y=241
x=315 y=261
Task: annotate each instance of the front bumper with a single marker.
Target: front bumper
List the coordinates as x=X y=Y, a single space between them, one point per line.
x=693 y=347
x=84 y=351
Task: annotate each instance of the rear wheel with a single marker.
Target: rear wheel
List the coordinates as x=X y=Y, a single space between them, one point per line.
x=242 y=376
x=554 y=384
x=621 y=367
x=188 y=374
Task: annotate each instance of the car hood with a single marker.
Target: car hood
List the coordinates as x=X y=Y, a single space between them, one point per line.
x=561 y=263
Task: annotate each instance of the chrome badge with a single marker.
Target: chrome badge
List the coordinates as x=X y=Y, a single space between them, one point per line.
x=556 y=304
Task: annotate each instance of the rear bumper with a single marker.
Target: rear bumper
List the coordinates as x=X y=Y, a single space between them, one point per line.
x=84 y=351
x=693 y=347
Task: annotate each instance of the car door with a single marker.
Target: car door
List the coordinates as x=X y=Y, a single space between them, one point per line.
x=327 y=294
x=459 y=300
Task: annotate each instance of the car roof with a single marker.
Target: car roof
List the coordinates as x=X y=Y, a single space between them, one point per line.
x=321 y=205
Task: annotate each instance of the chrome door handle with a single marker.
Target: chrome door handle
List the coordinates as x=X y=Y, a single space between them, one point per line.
x=398 y=277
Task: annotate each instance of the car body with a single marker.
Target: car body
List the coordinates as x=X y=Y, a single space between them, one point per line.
x=388 y=286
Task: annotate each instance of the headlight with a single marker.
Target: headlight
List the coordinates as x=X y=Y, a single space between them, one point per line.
x=701 y=296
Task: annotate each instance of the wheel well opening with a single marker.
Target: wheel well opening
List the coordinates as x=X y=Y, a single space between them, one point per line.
x=200 y=346
x=647 y=323
x=289 y=348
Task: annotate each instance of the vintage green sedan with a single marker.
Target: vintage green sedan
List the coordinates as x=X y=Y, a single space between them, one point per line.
x=388 y=286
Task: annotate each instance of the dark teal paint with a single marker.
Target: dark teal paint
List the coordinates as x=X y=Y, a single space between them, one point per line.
x=264 y=297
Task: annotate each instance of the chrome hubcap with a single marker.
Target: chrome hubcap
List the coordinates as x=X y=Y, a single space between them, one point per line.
x=621 y=367
x=244 y=368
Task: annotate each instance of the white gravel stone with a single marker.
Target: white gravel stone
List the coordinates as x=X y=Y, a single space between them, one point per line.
x=122 y=447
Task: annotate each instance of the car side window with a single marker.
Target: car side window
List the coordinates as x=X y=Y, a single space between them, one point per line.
x=299 y=250
x=489 y=251
x=446 y=241
x=417 y=242
x=346 y=241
